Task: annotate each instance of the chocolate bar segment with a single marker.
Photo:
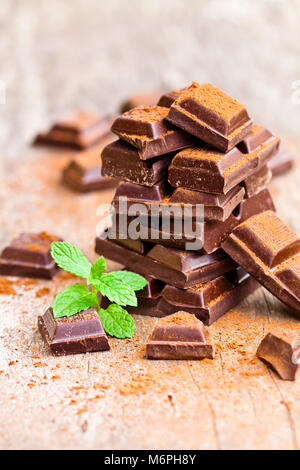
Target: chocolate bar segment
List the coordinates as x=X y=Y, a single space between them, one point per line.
x=83 y=173
x=79 y=130
x=121 y=160
x=282 y=353
x=208 y=266
x=282 y=162
x=208 y=170
x=258 y=181
x=80 y=333
x=161 y=198
x=258 y=136
x=29 y=255
x=145 y=99
x=146 y=129
x=179 y=336
x=210 y=300
x=269 y=250
x=211 y=115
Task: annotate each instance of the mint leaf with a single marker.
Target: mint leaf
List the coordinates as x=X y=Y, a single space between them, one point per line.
x=115 y=290
x=117 y=322
x=72 y=300
x=71 y=259
x=135 y=281
x=98 y=268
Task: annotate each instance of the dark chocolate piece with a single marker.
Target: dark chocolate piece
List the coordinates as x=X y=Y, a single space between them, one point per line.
x=165 y=265
x=209 y=300
x=148 y=299
x=270 y=251
x=258 y=181
x=79 y=130
x=136 y=245
x=121 y=160
x=258 y=136
x=282 y=353
x=29 y=255
x=208 y=170
x=83 y=173
x=282 y=162
x=146 y=129
x=167 y=99
x=80 y=333
x=210 y=233
x=145 y=99
x=211 y=115
x=162 y=196
x=179 y=336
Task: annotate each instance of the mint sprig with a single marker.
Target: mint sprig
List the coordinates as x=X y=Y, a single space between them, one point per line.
x=118 y=286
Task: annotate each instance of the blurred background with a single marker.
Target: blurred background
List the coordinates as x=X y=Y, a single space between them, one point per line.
x=57 y=55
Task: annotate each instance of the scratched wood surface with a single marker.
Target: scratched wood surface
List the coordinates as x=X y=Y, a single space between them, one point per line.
x=118 y=399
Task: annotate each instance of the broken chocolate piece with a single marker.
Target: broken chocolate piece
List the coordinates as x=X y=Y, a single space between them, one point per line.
x=179 y=336
x=161 y=196
x=76 y=334
x=210 y=300
x=208 y=170
x=211 y=115
x=282 y=353
x=282 y=162
x=270 y=251
x=146 y=99
x=83 y=173
x=79 y=130
x=146 y=129
x=197 y=268
x=29 y=255
x=256 y=182
x=121 y=160
x=258 y=136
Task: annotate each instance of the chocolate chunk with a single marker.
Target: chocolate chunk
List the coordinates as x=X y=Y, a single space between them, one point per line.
x=146 y=99
x=282 y=162
x=269 y=250
x=211 y=115
x=77 y=334
x=167 y=99
x=29 y=255
x=165 y=264
x=256 y=182
x=282 y=353
x=79 y=130
x=210 y=233
x=136 y=245
x=179 y=336
x=162 y=196
x=258 y=136
x=121 y=160
x=210 y=300
x=83 y=173
x=208 y=170
x=146 y=129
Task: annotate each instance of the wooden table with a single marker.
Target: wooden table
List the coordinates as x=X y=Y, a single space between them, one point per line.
x=118 y=399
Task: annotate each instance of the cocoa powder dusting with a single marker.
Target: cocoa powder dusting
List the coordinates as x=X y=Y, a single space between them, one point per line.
x=6 y=287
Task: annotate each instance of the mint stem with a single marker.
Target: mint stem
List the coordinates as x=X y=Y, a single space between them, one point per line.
x=96 y=294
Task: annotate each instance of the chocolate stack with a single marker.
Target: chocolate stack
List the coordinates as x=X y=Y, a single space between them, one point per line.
x=198 y=146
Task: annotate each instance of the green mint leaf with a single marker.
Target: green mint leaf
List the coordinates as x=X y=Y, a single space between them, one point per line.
x=71 y=259
x=135 y=281
x=98 y=268
x=116 y=291
x=72 y=300
x=117 y=322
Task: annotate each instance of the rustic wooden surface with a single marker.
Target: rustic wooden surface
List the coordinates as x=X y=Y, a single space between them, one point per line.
x=52 y=61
